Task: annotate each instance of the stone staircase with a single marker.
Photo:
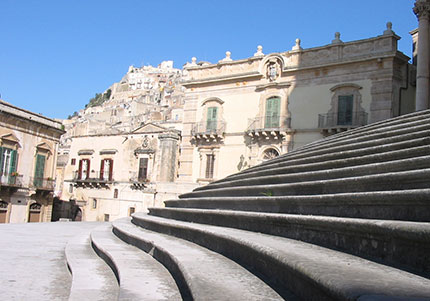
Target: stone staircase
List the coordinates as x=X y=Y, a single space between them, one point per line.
x=343 y=218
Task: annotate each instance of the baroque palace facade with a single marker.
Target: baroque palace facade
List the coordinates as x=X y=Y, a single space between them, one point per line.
x=238 y=113
x=28 y=154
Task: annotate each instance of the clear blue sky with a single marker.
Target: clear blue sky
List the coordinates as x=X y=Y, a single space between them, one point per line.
x=56 y=54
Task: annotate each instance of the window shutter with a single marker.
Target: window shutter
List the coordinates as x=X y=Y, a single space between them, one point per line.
x=272 y=117
x=1 y=160
x=80 y=170
x=88 y=169
x=102 y=169
x=13 y=161
x=211 y=120
x=344 y=110
x=110 y=169
x=143 y=169
x=39 y=171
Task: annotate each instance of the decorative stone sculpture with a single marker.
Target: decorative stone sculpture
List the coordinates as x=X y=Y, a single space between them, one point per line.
x=389 y=30
x=297 y=46
x=227 y=57
x=259 y=51
x=337 y=39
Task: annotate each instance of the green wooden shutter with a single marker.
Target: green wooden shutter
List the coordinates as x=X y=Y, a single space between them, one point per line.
x=211 y=120
x=12 y=168
x=273 y=106
x=1 y=161
x=13 y=157
x=344 y=110
x=40 y=170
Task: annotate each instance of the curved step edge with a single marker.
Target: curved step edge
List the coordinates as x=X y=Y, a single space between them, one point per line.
x=204 y=274
x=140 y=276
x=308 y=270
x=92 y=278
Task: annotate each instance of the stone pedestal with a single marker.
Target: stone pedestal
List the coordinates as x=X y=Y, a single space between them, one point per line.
x=168 y=147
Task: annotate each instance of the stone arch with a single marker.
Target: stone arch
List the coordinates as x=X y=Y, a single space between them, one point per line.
x=4 y=208
x=34 y=212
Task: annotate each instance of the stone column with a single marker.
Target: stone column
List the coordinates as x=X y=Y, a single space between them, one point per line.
x=168 y=161
x=422 y=11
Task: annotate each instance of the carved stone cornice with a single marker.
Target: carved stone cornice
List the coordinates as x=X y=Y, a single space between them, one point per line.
x=422 y=9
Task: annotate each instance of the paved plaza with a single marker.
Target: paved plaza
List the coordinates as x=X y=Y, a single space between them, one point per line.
x=33 y=260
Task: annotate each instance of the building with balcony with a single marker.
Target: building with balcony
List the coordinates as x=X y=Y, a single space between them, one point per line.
x=238 y=113
x=111 y=176
x=28 y=155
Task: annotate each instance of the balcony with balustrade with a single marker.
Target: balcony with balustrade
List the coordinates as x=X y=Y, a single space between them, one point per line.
x=11 y=181
x=208 y=131
x=332 y=123
x=42 y=184
x=92 y=179
x=268 y=127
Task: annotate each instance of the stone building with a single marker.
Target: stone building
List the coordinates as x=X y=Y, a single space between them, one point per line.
x=28 y=155
x=111 y=176
x=238 y=113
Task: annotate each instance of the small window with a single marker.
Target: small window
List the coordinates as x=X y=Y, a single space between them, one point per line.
x=210 y=160
x=131 y=210
x=84 y=169
x=73 y=161
x=270 y=154
x=71 y=188
x=143 y=169
x=94 y=203
x=106 y=217
x=106 y=169
x=115 y=193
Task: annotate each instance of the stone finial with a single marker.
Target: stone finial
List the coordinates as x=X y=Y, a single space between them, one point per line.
x=389 y=29
x=259 y=51
x=227 y=57
x=297 y=46
x=193 y=61
x=337 y=39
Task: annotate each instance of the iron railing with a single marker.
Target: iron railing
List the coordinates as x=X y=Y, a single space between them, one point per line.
x=92 y=176
x=209 y=127
x=269 y=123
x=13 y=179
x=342 y=119
x=42 y=183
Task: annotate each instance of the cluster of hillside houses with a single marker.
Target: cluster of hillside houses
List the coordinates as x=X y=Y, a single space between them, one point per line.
x=164 y=131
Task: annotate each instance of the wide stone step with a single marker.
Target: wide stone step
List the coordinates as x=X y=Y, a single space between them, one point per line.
x=385 y=241
x=200 y=273
x=141 y=277
x=387 y=135
x=324 y=174
x=411 y=179
x=409 y=205
x=311 y=272
x=400 y=122
x=342 y=152
x=297 y=167
x=92 y=278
